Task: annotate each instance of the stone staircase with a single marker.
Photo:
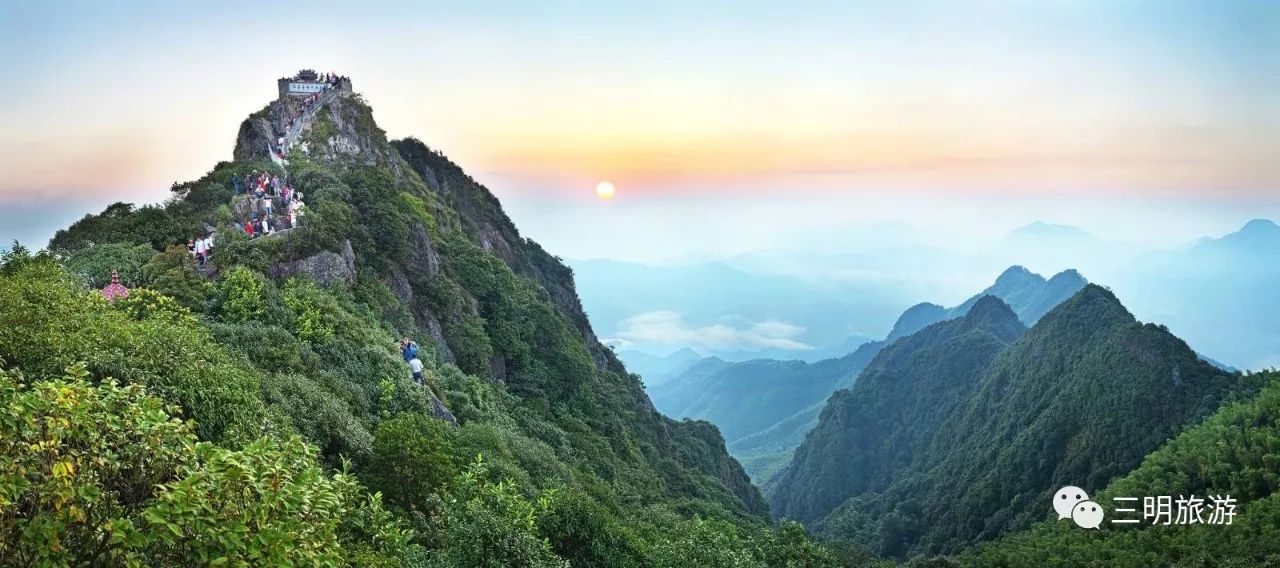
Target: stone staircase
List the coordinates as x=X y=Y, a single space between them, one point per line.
x=295 y=129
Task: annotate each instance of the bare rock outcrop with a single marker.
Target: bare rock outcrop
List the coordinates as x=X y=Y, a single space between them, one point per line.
x=325 y=267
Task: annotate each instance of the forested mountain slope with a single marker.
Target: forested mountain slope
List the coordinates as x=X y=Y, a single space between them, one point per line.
x=1234 y=453
x=765 y=407
x=1079 y=399
x=869 y=432
x=295 y=334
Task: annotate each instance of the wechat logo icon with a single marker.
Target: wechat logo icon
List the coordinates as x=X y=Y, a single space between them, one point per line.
x=1073 y=503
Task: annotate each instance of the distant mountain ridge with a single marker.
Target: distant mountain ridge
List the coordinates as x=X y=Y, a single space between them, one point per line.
x=1027 y=293
x=765 y=407
x=1196 y=289
x=656 y=370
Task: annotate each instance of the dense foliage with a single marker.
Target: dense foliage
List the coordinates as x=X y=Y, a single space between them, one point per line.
x=103 y=474
x=1234 y=452
x=1079 y=399
x=869 y=433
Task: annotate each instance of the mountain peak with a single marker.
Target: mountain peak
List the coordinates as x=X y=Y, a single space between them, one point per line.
x=1014 y=277
x=1015 y=271
x=1093 y=306
x=915 y=318
x=1259 y=227
x=1038 y=229
x=1069 y=275
x=990 y=312
x=320 y=117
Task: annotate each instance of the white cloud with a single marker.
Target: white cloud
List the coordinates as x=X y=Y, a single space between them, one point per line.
x=668 y=328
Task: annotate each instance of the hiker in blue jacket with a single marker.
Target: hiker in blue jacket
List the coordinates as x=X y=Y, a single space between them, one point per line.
x=408 y=349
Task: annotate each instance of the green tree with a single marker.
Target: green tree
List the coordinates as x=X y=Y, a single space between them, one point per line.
x=173 y=273
x=94 y=264
x=241 y=295
x=412 y=459
x=492 y=525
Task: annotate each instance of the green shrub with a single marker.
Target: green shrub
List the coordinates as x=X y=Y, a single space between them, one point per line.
x=104 y=475
x=173 y=273
x=585 y=533
x=268 y=504
x=493 y=525
x=241 y=295
x=143 y=304
x=320 y=417
x=57 y=491
x=47 y=323
x=412 y=459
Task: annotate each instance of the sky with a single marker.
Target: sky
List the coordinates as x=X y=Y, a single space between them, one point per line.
x=727 y=127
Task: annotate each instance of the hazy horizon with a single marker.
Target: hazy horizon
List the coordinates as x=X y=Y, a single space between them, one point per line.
x=739 y=132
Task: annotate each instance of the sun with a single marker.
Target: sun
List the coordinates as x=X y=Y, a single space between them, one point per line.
x=604 y=190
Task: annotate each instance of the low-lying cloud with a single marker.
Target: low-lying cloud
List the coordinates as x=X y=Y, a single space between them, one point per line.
x=667 y=327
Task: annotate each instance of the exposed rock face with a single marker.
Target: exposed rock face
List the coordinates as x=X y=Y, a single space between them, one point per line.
x=493 y=241
x=498 y=366
x=251 y=142
x=264 y=128
x=439 y=410
x=423 y=316
x=344 y=131
x=482 y=217
x=325 y=267
x=426 y=261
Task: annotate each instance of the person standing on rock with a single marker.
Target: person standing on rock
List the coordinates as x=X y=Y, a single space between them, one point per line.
x=200 y=250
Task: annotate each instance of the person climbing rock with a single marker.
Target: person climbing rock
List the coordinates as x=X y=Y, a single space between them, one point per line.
x=408 y=349
x=415 y=369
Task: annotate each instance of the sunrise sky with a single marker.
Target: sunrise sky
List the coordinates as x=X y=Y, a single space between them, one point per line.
x=1049 y=108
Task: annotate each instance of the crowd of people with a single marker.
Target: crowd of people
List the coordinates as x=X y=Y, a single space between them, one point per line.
x=263 y=189
x=201 y=248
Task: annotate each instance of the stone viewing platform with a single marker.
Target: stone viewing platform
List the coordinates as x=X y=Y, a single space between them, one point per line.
x=307 y=82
